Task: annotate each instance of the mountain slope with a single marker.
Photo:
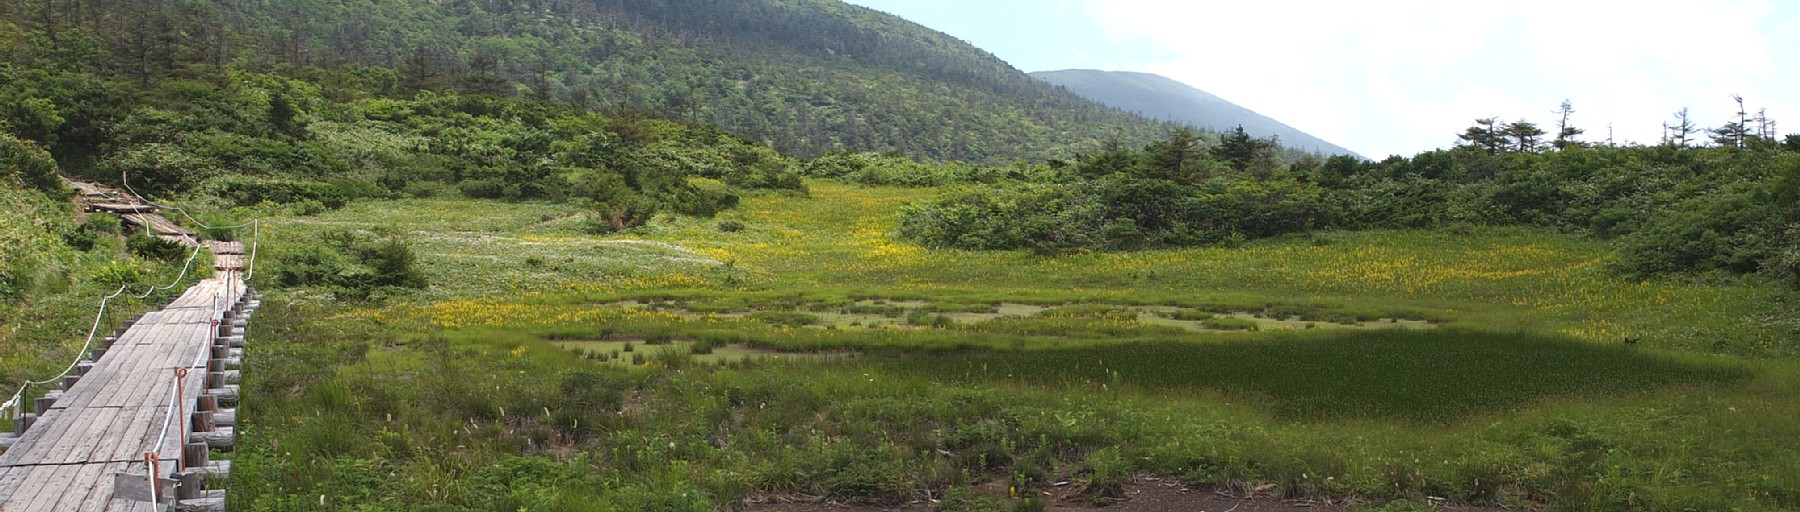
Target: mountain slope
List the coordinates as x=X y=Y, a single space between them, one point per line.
x=1158 y=97
x=805 y=76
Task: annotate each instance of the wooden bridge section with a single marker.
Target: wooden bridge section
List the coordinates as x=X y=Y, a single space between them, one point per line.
x=133 y=426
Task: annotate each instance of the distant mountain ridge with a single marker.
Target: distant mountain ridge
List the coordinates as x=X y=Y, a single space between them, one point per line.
x=1158 y=97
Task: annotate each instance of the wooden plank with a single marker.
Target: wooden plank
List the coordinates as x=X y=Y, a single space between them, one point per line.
x=52 y=482
x=84 y=483
x=129 y=448
x=84 y=426
x=104 y=423
x=40 y=438
x=136 y=384
x=10 y=478
x=97 y=498
x=28 y=489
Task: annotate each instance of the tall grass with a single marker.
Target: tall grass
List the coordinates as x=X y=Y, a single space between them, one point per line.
x=1525 y=395
x=1410 y=375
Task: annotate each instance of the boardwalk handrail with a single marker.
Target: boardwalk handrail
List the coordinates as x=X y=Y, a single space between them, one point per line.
x=255 y=236
x=184 y=213
x=11 y=408
x=13 y=404
x=183 y=275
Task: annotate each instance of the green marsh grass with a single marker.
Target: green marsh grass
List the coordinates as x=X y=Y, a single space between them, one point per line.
x=1411 y=375
x=1524 y=395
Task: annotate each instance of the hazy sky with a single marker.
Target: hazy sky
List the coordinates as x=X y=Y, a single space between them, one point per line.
x=1399 y=77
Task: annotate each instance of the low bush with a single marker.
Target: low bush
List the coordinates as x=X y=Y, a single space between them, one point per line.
x=784 y=318
x=353 y=265
x=1228 y=323
x=143 y=244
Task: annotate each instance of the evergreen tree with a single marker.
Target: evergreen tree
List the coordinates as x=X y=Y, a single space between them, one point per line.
x=484 y=77
x=1682 y=131
x=1484 y=135
x=1173 y=157
x=1525 y=136
x=1732 y=135
x=419 y=73
x=1565 y=133
x=1238 y=148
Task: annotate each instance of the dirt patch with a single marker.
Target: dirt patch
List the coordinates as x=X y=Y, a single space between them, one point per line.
x=878 y=313
x=615 y=352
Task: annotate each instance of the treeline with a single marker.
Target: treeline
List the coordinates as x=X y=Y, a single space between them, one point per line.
x=261 y=133
x=1670 y=208
x=807 y=77
x=255 y=131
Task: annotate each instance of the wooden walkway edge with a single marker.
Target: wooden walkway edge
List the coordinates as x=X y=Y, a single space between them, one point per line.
x=154 y=398
x=103 y=424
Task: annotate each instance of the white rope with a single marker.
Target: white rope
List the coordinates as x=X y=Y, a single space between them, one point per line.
x=11 y=407
x=184 y=213
x=17 y=399
x=178 y=278
x=255 y=236
x=168 y=415
x=84 y=346
x=199 y=360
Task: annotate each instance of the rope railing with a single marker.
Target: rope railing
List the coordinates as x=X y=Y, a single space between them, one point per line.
x=12 y=407
x=184 y=213
x=18 y=398
x=255 y=236
x=184 y=270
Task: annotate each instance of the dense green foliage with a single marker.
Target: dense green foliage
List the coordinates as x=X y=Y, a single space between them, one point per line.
x=352 y=265
x=256 y=132
x=55 y=268
x=23 y=162
x=1670 y=209
x=807 y=77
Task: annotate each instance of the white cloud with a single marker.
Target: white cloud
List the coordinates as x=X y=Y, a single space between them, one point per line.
x=1405 y=76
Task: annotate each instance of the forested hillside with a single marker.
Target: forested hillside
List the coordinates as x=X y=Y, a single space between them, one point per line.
x=806 y=77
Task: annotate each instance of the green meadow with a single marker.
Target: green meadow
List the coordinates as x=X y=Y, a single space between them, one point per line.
x=811 y=355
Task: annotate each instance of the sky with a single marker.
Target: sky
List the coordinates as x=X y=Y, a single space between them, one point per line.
x=1403 y=76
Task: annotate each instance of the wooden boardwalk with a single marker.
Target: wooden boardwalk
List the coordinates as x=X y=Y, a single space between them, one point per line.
x=105 y=423
x=88 y=445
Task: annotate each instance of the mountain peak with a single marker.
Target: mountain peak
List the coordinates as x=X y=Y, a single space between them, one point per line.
x=1163 y=98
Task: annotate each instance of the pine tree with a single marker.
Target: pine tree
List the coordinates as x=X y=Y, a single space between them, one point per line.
x=484 y=77
x=1683 y=129
x=1484 y=135
x=1565 y=134
x=1525 y=135
x=419 y=73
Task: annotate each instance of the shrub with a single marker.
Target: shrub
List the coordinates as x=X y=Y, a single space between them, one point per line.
x=1188 y=315
x=88 y=233
x=491 y=188
x=1228 y=323
x=153 y=247
x=106 y=224
x=25 y=161
x=119 y=273
x=1046 y=218
x=1725 y=230
x=355 y=265
x=730 y=226
x=784 y=318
